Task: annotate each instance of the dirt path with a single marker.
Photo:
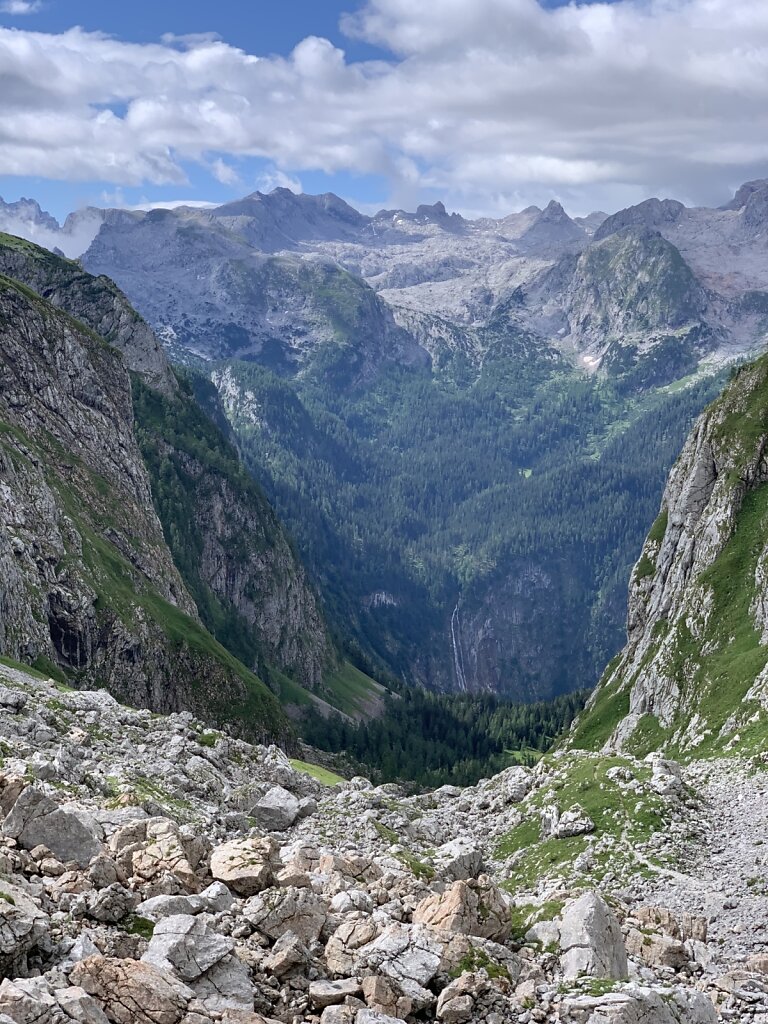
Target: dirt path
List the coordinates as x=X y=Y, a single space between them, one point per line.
x=721 y=860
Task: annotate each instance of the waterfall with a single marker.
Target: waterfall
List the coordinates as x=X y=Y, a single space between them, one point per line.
x=458 y=653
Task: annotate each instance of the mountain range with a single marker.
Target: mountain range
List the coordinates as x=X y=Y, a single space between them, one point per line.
x=464 y=424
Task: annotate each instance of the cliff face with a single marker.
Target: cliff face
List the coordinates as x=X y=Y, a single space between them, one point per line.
x=88 y=583
x=693 y=675
x=234 y=557
x=94 y=583
x=250 y=588
x=96 y=302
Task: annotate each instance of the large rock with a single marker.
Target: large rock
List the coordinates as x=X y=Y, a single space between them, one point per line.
x=226 y=985
x=470 y=908
x=132 y=992
x=246 y=866
x=341 y=950
x=591 y=940
x=35 y=820
x=81 y=1007
x=456 y=1004
x=163 y=851
x=278 y=911
x=330 y=993
x=410 y=955
x=276 y=810
x=637 y=1005
x=188 y=945
x=158 y=907
x=656 y=949
x=22 y=925
x=459 y=859
x=288 y=954
x=112 y=904
x=27 y=1001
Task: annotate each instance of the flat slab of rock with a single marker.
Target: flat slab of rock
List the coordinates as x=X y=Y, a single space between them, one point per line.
x=330 y=993
x=35 y=820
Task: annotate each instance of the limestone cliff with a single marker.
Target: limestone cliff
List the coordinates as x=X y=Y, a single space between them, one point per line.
x=250 y=588
x=96 y=302
x=234 y=557
x=693 y=675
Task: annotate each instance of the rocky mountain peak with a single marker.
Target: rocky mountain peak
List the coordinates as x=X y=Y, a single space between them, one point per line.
x=743 y=193
x=551 y=231
x=756 y=208
x=433 y=211
x=652 y=213
x=554 y=213
x=28 y=210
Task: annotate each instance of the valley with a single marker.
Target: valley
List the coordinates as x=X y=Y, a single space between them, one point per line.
x=451 y=414
x=354 y=548
x=384 y=512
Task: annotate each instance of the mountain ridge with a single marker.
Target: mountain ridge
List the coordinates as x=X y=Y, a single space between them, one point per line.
x=90 y=585
x=691 y=678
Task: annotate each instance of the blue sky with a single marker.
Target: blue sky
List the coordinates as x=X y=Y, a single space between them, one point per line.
x=489 y=105
x=258 y=26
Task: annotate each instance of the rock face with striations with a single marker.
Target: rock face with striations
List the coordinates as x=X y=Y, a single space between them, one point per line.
x=96 y=302
x=693 y=675
x=88 y=580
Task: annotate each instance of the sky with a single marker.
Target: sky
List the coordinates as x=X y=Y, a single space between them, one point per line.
x=488 y=105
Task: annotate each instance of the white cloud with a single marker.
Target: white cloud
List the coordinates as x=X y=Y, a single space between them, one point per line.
x=82 y=228
x=485 y=101
x=116 y=200
x=273 y=177
x=224 y=172
x=20 y=6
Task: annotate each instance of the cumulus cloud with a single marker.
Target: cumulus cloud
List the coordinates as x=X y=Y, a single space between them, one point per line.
x=224 y=172
x=20 y=6
x=273 y=177
x=491 y=103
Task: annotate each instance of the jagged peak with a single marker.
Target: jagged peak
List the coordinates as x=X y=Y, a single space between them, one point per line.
x=650 y=213
x=744 y=192
x=554 y=212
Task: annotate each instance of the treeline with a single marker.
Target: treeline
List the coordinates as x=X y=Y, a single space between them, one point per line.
x=432 y=739
x=427 y=489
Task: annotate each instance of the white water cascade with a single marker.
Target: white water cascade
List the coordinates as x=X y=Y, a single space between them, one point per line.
x=458 y=653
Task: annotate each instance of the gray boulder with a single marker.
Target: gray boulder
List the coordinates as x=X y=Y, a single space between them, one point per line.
x=22 y=925
x=638 y=1005
x=225 y=986
x=459 y=860
x=188 y=945
x=35 y=820
x=278 y=911
x=276 y=811
x=591 y=940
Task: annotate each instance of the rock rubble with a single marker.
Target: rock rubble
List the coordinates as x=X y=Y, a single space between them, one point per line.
x=135 y=887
